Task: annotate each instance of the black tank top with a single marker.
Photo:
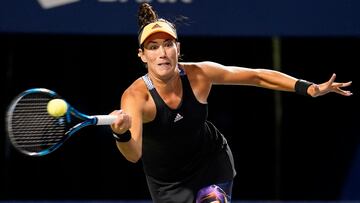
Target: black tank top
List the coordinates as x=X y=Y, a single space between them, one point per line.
x=180 y=146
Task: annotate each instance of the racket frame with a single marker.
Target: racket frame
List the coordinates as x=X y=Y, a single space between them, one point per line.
x=71 y=111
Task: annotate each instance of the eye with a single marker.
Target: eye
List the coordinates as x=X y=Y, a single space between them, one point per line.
x=168 y=43
x=153 y=46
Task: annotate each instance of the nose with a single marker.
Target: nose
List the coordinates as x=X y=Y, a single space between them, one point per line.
x=162 y=51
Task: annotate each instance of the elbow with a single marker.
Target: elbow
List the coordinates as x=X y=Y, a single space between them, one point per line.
x=257 y=78
x=264 y=77
x=133 y=157
x=132 y=154
x=132 y=161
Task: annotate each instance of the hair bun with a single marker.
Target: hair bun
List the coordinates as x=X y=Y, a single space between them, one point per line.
x=146 y=15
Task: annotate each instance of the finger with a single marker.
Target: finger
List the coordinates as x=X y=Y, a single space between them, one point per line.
x=343 y=92
x=342 y=84
x=123 y=118
x=116 y=111
x=346 y=84
x=119 y=125
x=123 y=122
x=127 y=121
x=332 y=79
x=113 y=112
x=346 y=93
x=337 y=85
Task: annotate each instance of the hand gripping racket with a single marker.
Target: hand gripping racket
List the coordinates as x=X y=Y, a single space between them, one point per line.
x=34 y=132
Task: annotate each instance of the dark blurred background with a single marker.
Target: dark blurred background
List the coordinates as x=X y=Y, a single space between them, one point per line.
x=286 y=146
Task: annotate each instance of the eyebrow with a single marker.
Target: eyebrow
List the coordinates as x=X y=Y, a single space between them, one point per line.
x=157 y=42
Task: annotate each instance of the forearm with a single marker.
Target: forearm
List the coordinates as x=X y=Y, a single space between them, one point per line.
x=131 y=150
x=265 y=78
x=275 y=80
x=130 y=142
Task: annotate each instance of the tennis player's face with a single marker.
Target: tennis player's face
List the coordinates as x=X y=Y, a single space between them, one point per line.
x=160 y=53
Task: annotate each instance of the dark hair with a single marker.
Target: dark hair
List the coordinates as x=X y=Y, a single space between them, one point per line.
x=146 y=15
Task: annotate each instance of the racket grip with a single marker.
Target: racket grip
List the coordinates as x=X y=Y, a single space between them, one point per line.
x=105 y=119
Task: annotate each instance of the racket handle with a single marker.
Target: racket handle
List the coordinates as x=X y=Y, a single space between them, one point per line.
x=105 y=119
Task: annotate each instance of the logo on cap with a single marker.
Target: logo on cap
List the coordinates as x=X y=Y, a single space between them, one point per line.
x=156 y=26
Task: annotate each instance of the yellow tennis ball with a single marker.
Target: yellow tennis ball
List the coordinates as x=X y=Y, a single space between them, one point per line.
x=57 y=107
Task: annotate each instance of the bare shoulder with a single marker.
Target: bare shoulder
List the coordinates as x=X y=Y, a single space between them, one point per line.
x=201 y=70
x=193 y=70
x=203 y=67
x=196 y=66
x=201 y=64
x=199 y=80
x=137 y=100
x=136 y=92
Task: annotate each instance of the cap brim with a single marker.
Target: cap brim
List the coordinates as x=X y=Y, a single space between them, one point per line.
x=156 y=27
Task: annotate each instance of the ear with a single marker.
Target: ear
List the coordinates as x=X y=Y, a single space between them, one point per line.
x=141 y=55
x=178 y=47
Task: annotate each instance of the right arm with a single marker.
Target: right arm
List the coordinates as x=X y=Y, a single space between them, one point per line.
x=130 y=118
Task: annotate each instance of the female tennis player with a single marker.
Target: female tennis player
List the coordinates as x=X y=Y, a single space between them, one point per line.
x=164 y=122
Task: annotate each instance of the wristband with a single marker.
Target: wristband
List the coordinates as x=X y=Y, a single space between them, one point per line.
x=125 y=137
x=301 y=87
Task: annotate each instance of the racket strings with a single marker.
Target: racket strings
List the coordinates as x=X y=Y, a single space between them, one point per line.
x=33 y=129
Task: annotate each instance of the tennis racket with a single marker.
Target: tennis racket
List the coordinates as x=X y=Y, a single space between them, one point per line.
x=34 y=132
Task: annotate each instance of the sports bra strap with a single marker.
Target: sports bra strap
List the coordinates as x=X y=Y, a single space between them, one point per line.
x=148 y=82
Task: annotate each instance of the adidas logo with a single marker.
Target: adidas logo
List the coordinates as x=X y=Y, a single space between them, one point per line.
x=156 y=26
x=178 y=117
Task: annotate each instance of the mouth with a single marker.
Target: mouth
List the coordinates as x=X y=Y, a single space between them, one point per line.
x=164 y=64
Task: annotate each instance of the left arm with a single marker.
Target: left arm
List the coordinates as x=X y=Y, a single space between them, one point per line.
x=265 y=78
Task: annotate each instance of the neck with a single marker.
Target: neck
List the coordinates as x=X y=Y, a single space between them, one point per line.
x=168 y=84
